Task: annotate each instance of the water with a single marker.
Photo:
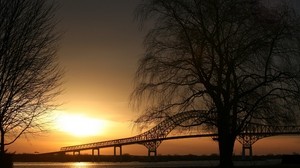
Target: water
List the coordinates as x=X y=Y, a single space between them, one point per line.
x=116 y=164
x=171 y=164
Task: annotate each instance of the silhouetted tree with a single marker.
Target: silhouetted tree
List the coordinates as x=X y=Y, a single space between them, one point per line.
x=237 y=59
x=29 y=72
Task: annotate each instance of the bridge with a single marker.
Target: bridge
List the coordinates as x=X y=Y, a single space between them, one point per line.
x=152 y=138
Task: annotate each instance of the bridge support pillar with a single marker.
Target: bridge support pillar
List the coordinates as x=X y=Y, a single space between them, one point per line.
x=74 y=152
x=152 y=147
x=98 y=151
x=247 y=147
x=115 y=150
x=152 y=151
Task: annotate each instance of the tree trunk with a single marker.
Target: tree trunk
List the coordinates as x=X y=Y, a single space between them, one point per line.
x=2 y=153
x=2 y=150
x=226 y=140
x=226 y=145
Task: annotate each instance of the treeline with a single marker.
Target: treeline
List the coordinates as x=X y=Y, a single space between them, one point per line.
x=101 y=158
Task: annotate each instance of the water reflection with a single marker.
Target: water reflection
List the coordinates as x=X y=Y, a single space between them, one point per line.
x=58 y=165
x=81 y=165
x=114 y=164
x=170 y=164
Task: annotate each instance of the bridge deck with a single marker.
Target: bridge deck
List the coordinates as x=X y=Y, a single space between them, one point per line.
x=153 y=137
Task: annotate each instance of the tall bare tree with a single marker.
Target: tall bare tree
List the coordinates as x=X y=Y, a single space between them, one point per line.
x=29 y=72
x=237 y=59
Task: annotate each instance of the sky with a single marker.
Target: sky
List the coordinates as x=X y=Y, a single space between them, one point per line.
x=100 y=50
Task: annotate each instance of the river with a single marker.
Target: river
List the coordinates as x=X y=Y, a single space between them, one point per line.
x=171 y=164
x=115 y=164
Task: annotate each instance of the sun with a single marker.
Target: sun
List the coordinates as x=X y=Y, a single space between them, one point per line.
x=80 y=125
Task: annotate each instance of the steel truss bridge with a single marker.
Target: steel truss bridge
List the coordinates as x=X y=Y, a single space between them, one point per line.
x=152 y=138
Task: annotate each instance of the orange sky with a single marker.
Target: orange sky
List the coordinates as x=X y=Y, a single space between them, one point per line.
x=100 y=51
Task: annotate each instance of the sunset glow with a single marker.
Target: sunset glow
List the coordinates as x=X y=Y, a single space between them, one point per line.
x=80 y=125
x=100 y=50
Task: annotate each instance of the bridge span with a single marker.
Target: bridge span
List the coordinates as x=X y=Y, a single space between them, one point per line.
x=152 y=138
x=118 y=143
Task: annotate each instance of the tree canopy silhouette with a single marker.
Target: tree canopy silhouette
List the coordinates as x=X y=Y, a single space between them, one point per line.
x=29 y=72
x=236 y=59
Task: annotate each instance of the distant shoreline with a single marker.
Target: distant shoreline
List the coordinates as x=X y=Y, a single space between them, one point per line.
x=130 y=158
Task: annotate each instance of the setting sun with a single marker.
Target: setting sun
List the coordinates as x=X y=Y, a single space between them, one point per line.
x=80 y=125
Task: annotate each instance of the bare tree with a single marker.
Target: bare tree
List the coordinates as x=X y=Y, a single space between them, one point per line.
x=29 y=72
x=236 y=59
